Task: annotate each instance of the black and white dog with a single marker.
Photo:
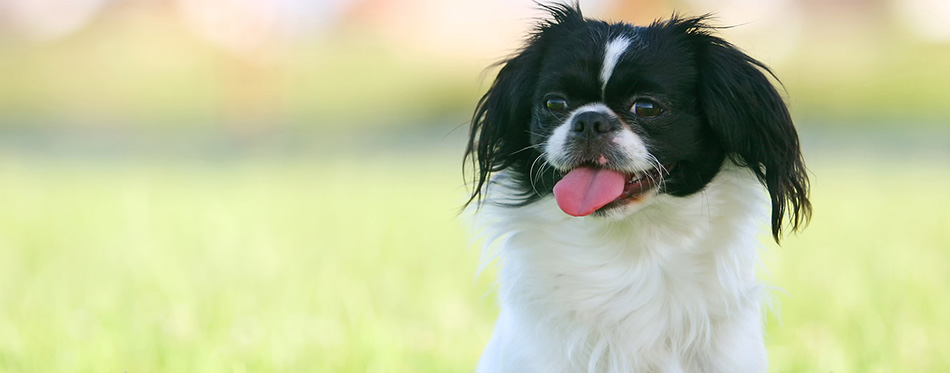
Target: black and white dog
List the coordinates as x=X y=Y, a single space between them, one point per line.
x=619 y=180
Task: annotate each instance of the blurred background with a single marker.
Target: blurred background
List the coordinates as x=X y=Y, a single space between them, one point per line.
x=273 y=185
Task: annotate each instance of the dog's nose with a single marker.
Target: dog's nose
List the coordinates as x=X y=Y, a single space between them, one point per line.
x=592 y=123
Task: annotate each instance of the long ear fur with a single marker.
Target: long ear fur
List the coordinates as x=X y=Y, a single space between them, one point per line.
x=499 y=125
x=750 y=119
x=499 y=136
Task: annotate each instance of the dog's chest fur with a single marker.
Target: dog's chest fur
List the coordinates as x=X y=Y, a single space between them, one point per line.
x=670 y=288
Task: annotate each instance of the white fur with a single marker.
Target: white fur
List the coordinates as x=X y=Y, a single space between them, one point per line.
x=631 y=146
x=612 y=53
x=556 y=145
x=669 y=288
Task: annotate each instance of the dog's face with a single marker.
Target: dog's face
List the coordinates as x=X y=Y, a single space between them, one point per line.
x=627 y=103
x=607 y=116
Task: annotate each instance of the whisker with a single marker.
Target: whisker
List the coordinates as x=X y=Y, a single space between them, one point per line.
x=531 y=174
x=544 y=167
x=523 y=149
x=661 y=172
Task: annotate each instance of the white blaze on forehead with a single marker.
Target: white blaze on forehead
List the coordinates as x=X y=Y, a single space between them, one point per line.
x=612 y=53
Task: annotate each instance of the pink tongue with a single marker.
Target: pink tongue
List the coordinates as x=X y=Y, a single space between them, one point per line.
x=586 y=189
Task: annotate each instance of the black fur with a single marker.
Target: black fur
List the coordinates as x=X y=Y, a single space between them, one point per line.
x=718 y=103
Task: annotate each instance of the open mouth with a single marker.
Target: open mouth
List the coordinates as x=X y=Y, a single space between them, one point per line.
x=587 y=188
x=639 y=183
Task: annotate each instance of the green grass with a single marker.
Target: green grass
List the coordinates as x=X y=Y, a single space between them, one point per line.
x=362 y=265
x=866 y=284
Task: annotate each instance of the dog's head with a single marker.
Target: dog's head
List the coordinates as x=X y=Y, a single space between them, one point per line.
x=607 y=116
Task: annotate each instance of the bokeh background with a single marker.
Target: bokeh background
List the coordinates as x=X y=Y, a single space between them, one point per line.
x=273 y=185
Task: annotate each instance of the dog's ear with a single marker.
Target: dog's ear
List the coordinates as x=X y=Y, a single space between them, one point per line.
x=500 y=132
x=750 y=119
x=500 y=123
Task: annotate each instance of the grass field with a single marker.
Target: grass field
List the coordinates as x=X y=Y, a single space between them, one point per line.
x=360 y=265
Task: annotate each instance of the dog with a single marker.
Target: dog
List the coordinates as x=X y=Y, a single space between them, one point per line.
x=623 y=177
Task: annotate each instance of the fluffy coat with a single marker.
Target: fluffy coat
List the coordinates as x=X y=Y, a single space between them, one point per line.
x=699 y=151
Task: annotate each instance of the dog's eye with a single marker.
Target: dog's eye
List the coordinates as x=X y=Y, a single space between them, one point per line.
x=646 y=109
x=556 y=104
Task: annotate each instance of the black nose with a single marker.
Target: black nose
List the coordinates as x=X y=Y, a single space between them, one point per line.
x=591 y=123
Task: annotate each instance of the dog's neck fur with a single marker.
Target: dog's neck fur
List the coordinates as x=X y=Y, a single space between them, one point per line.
x=661 y=290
